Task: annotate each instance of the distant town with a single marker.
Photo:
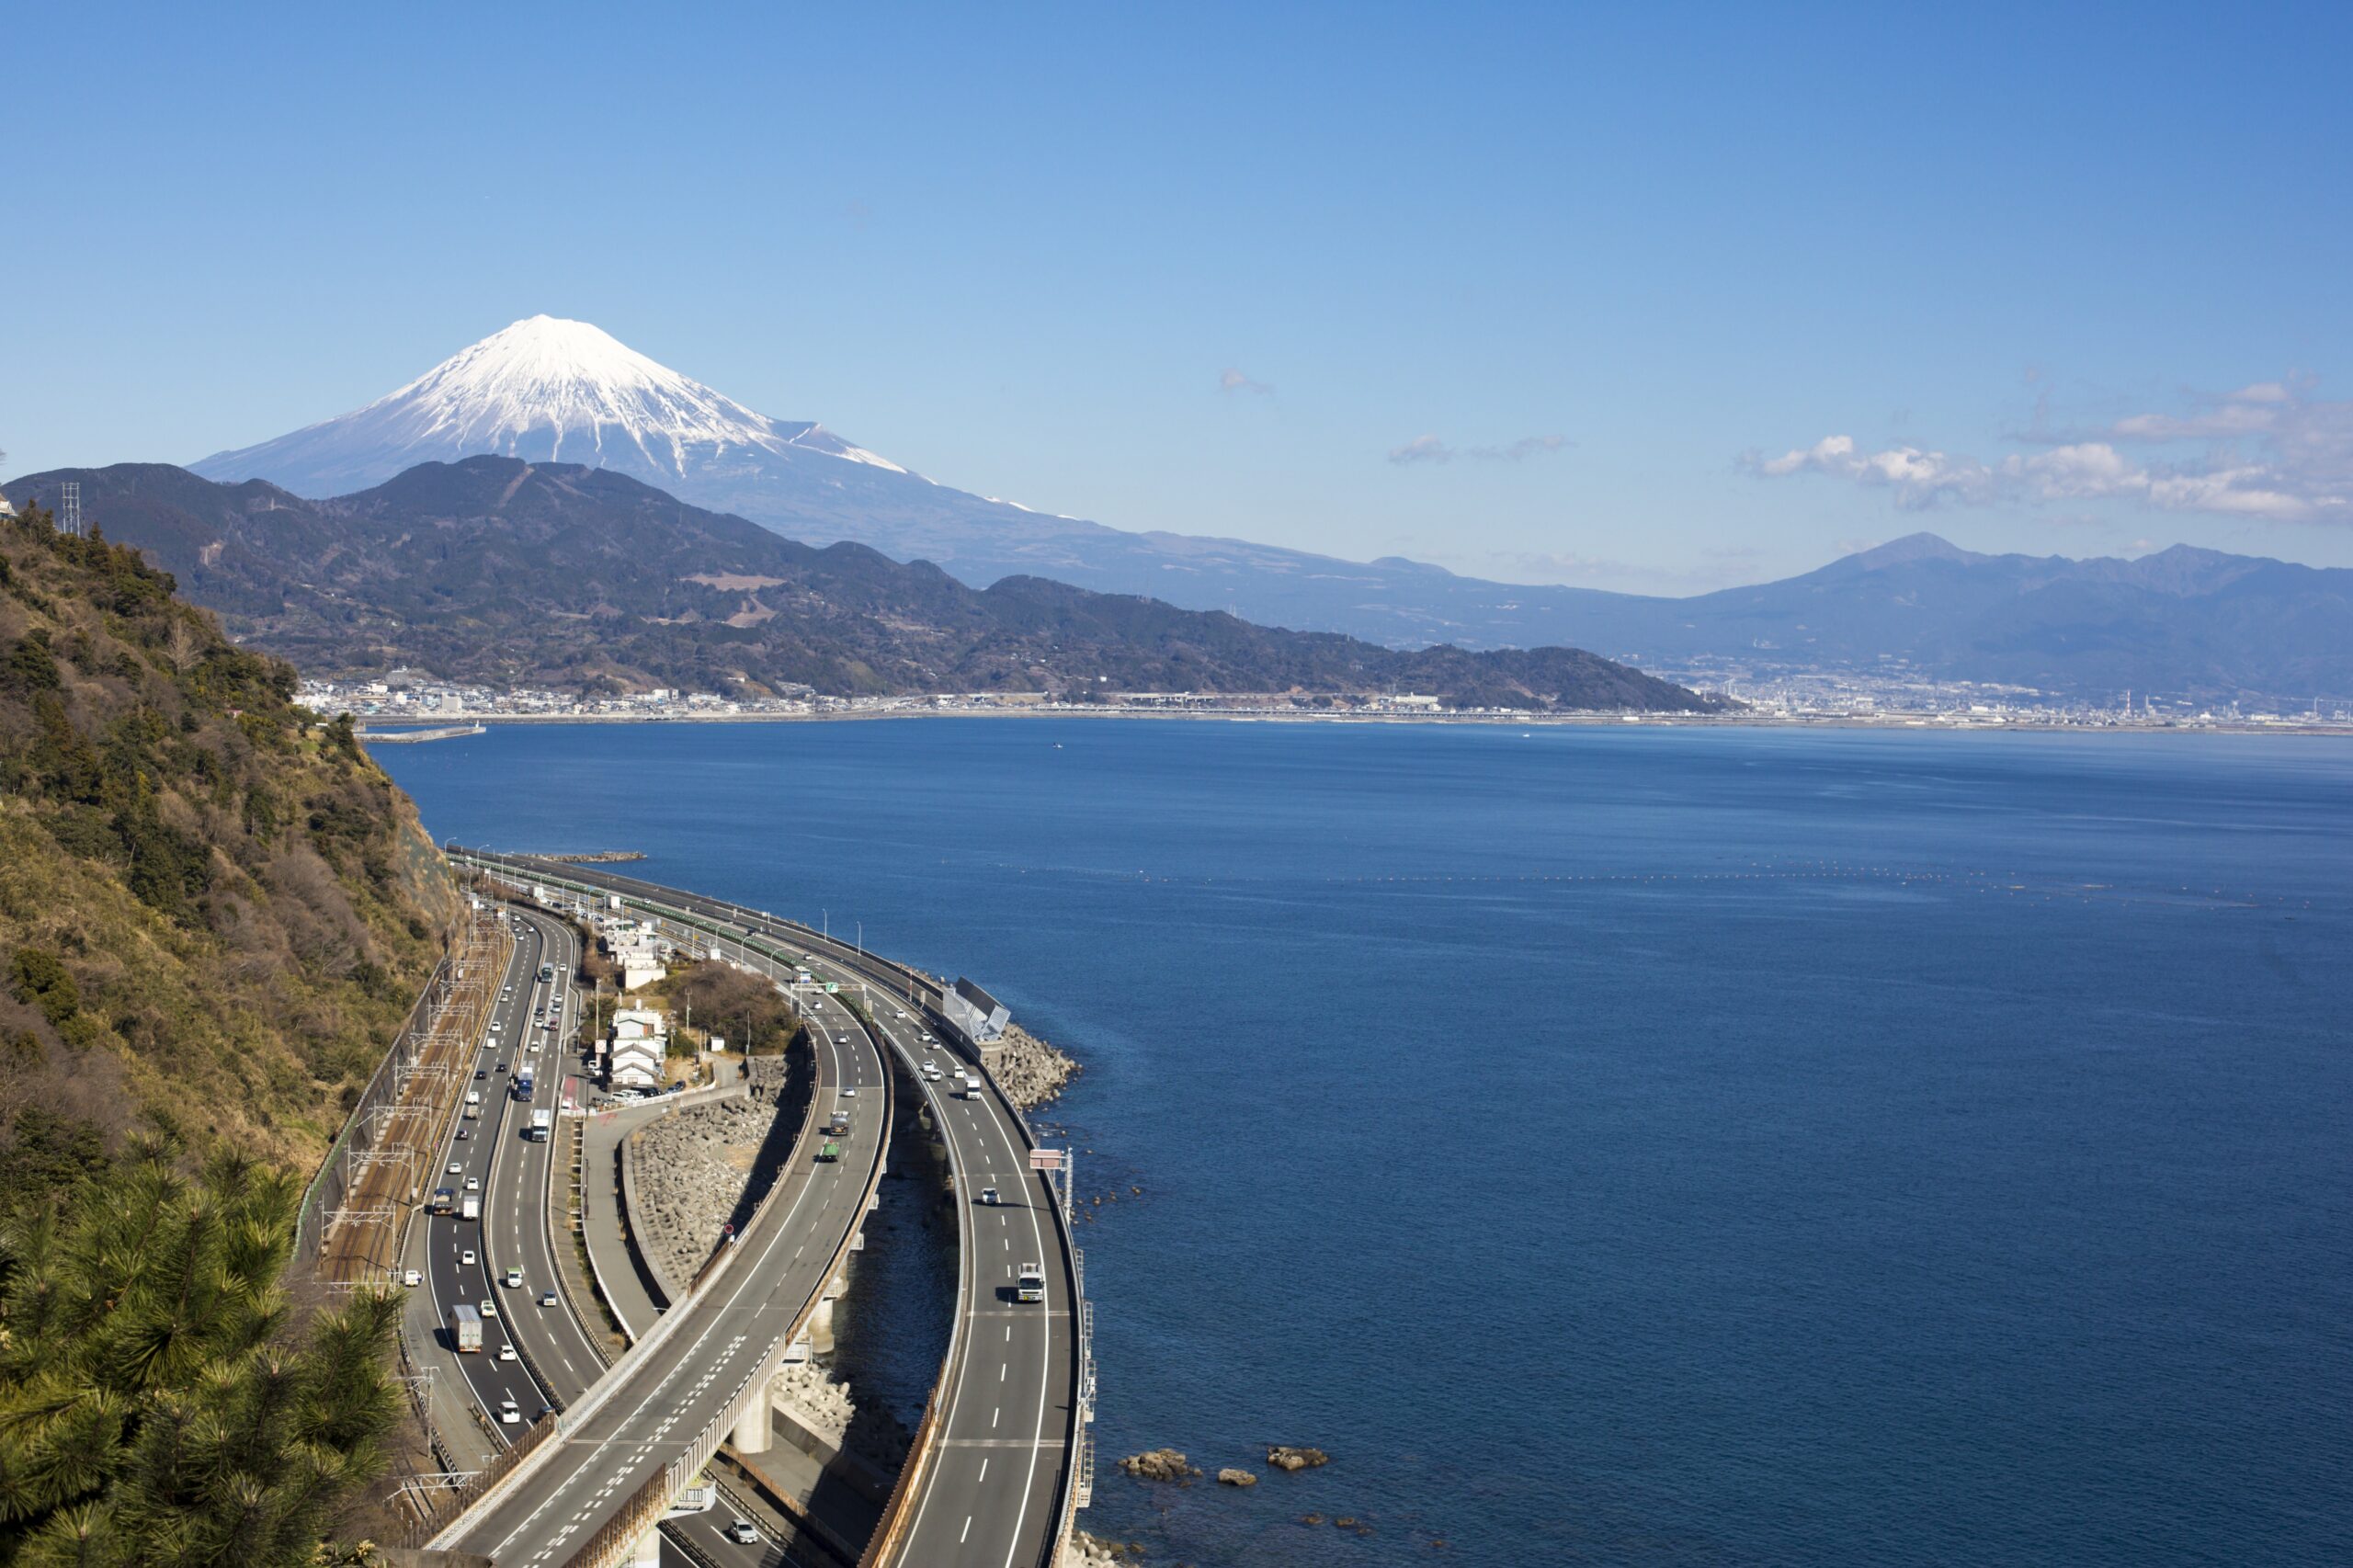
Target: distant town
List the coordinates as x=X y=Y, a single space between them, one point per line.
x=403 y=699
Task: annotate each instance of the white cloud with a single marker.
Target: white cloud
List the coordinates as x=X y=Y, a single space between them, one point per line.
x=1232 y=380
x=2269 y=451
x=1432 y=449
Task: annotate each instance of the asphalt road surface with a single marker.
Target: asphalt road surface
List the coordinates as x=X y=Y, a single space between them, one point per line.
x=671 y=1395
x=990 y=1496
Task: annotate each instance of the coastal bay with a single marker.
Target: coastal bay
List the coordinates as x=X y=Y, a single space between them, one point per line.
x=1658 y=1146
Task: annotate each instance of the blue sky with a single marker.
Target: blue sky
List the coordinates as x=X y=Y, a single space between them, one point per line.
x=1655 y=298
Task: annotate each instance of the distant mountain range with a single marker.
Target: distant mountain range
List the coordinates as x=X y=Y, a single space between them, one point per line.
x=546 y=574
x=2185 y=621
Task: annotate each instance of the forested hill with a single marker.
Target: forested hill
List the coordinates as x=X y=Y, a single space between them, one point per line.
x=583 y=579
x=213 y=914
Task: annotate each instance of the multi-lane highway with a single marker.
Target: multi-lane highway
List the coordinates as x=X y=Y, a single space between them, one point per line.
x=516 y=1231
x=458 y=1268
x=670 y=1393
x=994 y=1479
x=991 y=1485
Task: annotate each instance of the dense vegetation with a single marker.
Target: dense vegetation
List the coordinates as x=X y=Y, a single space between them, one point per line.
x=213 y=914
x=743 y=1008
x=213 y=911
x=153 y=1410
x=513 y=574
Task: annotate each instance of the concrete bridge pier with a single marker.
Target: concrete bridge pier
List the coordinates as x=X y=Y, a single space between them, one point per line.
x=820 y=1323
x=647 y=1553
x=753 y=1432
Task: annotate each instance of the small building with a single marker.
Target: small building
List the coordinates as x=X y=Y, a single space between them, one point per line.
x=981 y=1016
x=641 y=953
x=634 y=1052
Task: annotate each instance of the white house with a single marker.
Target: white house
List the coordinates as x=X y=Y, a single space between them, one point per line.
x=640 y=1039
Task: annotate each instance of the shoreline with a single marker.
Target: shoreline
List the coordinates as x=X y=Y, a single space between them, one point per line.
x=405 y=731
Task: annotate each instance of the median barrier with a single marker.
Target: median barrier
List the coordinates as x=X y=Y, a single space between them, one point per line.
x=1071 y=1481
x=515 y=1471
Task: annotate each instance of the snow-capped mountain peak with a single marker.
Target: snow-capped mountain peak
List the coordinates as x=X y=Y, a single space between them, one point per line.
x=547 y=390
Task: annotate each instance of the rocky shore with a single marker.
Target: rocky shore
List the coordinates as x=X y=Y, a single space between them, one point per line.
x=690 y=1167
x=1030 y=1072
x=1083 y=1550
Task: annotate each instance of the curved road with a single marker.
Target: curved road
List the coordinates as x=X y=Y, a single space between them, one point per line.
x=992 y=1491
x=666 y=1398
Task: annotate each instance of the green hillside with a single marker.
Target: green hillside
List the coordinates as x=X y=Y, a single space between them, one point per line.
x=213 y=916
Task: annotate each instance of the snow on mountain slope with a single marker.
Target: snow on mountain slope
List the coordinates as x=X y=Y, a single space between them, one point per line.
x=547 y=391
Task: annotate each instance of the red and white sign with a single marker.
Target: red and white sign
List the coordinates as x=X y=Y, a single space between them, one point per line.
x=1047 y=1159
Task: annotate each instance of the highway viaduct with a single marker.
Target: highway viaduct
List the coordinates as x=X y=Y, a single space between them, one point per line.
x=1001 y=1460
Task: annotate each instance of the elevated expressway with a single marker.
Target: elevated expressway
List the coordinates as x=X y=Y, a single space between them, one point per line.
x=1002 y=1458
x=557 y=1360
x=589 y=1484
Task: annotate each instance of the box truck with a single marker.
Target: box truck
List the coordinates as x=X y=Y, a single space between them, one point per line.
x=465 y=1329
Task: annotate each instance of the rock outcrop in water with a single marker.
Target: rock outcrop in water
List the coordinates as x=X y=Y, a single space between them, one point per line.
x=1159 y=1464
x=1282 y=1456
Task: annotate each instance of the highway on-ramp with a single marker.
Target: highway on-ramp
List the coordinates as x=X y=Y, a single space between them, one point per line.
x=996 y=1475
x=516 y=1232
x=667 y=1395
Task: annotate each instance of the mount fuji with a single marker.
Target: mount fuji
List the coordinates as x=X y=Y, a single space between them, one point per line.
x=546 y=389
x=553 y=391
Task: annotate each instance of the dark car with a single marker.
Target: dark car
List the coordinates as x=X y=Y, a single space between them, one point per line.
x=480 y=1074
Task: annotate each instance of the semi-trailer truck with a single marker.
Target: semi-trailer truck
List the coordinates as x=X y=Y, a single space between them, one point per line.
x=465 y=1329
x=838 y=1127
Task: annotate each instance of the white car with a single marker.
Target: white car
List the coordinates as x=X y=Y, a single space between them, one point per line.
x=850 y=1093
x=466 y=1258
x=546 y=1298
x=506 y=1351
x=514 y=1279
x=508 y=1415
x=412 y=1277
x=489 y=1308
x=473 y=1184
x=742 y=1533
x=457 y=1169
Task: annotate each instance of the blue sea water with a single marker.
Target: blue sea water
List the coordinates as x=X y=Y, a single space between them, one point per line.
x=1644 y=1146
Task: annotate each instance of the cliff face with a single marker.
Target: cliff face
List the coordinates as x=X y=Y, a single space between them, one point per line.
x=213 y=913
